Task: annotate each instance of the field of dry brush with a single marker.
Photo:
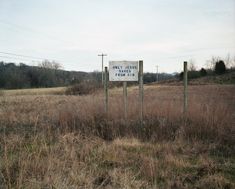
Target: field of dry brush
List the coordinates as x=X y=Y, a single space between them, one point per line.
x=60 y=141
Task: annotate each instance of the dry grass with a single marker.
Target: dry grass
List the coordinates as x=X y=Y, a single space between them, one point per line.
x=35 y=91
x=54 y=141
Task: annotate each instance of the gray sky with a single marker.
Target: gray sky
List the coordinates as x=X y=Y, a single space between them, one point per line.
x=160 y=32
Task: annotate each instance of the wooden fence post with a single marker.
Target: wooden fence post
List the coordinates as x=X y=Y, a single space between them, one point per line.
x=125 y=98
x=106 y=90
x=141 y=91
x=185 y=88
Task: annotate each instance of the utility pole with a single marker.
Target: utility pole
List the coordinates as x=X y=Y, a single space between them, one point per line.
x=102 y=55
x=157 y=74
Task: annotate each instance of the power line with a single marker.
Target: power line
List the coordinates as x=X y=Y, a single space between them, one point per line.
x=20 y=27
x=26 y=56
x=9 y=57
x=192 y=53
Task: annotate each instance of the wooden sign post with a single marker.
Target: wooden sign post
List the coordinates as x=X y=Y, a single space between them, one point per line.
x=141 y=91
x=125 y=98
x=127 y=71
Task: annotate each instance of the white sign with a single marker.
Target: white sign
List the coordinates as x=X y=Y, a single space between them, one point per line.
x=123 y=71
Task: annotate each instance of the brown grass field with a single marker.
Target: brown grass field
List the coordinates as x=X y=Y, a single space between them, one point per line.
x=60 y=141
x=36 y=91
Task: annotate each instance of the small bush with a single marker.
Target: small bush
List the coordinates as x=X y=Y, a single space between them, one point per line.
x=181 y=76
x=191 y=75
x=83 y=88
x=203 y=72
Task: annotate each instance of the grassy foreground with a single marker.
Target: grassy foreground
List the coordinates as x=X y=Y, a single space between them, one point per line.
x=53 y=141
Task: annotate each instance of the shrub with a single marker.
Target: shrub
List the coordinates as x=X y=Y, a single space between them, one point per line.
x=193 y=74
x=181 y=76
x=203 y=72
x=220 y=67
x=83 y=88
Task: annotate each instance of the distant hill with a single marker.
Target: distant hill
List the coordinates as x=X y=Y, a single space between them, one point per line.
x=48 y=74
x=226 y=78
x=22 y=76
x=14 y=76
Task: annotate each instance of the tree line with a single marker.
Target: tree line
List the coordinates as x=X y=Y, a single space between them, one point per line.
x=51 y=74
x=46 y=74
x=216 y=66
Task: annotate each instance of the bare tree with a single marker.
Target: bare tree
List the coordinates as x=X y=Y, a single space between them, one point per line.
x=232 y=62
x=192 y=66
x=50 y=65
x=228 y=61
x=211 y=63
x=56 y=65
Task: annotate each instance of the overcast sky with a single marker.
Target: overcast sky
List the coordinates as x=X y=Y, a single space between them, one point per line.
x=159 y=32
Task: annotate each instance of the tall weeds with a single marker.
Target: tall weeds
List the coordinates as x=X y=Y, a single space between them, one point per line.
x=58 y=141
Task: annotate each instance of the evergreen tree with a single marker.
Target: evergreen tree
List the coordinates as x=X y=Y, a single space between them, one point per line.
x=220 y=67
